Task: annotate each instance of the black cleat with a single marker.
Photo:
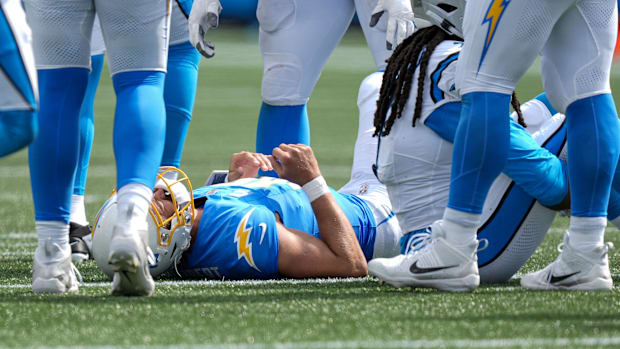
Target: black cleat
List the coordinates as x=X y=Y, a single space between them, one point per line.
x=79 y=248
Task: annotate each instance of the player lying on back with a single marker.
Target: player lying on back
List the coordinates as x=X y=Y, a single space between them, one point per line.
x=260 y=228
x=415 y=160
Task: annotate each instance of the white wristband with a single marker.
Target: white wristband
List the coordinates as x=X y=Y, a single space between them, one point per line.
x=315 y=188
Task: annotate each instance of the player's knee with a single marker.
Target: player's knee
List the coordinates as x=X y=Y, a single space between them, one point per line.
x=564 y=88
x=273 y=15
x=283 y=80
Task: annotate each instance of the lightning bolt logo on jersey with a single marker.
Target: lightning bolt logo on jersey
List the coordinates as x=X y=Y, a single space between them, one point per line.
x=238 y=237
x=494 y=14
x=242 y=239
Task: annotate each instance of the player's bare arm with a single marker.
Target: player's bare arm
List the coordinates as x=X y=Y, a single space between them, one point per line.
x=338 y=253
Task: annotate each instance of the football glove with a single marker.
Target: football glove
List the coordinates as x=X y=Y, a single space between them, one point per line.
x=205 y=14
x=400 y=20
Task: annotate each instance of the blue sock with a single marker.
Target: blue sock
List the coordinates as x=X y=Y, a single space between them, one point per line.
x=179 y=95
x=480 y=149
x=87 y=124
x=593 y=148
x=281 y=124
x=53 y=154
x=139 y=126
x=613 y=208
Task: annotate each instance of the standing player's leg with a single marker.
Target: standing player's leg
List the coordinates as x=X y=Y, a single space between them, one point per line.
x=18 y=80
x=63 y=61
x=136 y=38
x=78 y=223
x=179 y=89
x=296 y=38
x=375 y=36
x=576 y=67
x=489 y=67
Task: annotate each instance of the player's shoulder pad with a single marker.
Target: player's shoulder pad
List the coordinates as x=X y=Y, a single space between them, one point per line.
x=369 y=88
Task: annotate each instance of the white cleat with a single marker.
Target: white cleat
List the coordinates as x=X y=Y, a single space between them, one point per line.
x=52 y=271
x=432 y=263
x=129 y=256
x=573 y=270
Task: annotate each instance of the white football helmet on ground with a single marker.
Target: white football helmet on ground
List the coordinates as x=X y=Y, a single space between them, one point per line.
x=168 y=236
x=446 y=14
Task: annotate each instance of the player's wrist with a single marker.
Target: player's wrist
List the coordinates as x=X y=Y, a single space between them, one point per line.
x=315 y=188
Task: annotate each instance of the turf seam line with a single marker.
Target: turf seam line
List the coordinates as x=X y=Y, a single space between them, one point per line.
x=421 y=343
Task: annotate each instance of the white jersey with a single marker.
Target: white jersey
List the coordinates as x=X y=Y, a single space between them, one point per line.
x=18 y=82
x=415 y=165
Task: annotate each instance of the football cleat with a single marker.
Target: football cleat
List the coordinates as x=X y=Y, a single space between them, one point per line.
x=80 y=250
x=53 y=271
x=573 y=270
x=130 y=258
x=431 y=262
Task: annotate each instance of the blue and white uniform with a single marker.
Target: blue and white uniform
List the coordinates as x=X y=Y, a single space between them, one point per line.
x=238 y=238
x=415 y=164
x=223 y=249
x=296 y=38
x=18 y=79
x=576 y=39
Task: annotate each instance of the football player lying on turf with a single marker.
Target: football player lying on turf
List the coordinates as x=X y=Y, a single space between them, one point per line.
x=258 y=228
x=414 y=162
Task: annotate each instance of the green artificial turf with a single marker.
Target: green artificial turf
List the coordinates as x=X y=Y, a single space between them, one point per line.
x=285 y=313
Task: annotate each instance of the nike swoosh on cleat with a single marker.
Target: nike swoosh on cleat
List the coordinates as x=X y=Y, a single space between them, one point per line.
x=555 y=279
x=414 y=269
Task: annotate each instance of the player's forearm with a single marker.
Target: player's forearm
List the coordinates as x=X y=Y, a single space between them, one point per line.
x=338 y=234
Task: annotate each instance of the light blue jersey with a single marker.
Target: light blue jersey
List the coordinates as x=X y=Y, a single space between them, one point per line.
x=238 y=238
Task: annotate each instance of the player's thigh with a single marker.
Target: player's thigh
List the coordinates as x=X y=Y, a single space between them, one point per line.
x=61 y=32
x=136 y=33
x=296 y=38
x=414 y=163
x=18 y=79
x=576 y=60
x=502 y=40
x=179 y=30
x=97 y=46
x=375 y=36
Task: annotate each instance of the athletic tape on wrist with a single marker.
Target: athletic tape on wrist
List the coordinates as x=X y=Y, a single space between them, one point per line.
x=315 y=188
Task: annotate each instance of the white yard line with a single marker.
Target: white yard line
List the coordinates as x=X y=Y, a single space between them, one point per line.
x=257 y=282
x=421 y=343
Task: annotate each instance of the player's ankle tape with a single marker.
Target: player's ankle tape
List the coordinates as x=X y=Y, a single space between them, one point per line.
x=315 y=188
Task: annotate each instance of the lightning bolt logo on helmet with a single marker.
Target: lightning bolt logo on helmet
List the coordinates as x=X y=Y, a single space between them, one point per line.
x=494 y=14
x=242 y=239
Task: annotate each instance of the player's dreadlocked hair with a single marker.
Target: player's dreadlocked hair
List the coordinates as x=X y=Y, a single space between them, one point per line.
x=398 y=77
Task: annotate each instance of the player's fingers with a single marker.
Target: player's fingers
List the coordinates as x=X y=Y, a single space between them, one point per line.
x=206 y=48
x=376 y=16
x=276 y=165
x=390 y=34
x=281 y=155
x=411 y=28
x=401 y=32
x=263 y=162
x=212 y=20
